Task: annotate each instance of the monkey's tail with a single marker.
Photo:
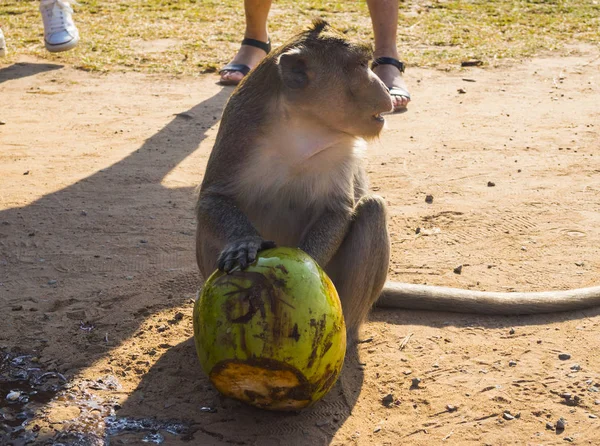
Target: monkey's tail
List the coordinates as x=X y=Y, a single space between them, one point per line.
x=435 y=298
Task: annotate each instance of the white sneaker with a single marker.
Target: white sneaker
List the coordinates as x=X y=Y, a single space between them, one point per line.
x=2 y=44
x=60 y=32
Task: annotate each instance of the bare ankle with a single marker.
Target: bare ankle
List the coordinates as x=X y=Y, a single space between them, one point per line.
x=257 y=34
x=390 y=51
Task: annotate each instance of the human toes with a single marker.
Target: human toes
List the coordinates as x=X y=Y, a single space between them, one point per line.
x=232 y=76
x=400 y=102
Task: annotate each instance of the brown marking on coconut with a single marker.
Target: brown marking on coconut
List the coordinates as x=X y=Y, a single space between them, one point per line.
x=294 y=333
x=283 y=269
x=319 y=327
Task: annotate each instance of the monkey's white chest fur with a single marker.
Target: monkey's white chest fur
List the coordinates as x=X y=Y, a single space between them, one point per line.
x=284 y=188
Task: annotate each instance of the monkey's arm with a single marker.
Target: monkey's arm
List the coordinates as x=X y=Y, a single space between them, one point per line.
x=324 y=237
x=219 y=215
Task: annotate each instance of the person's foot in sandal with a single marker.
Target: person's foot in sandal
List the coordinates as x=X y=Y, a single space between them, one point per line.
x=249 y=55
x=389 y=70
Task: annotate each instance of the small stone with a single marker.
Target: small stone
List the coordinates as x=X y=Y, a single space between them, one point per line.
x=161 y=328
x=387 y=400
x=322 y=423
x=2 y=123
x=129 y=277
x=415 y=382
x=507 y=416
x=491 y=184
x=550 y=426
x=512 y=331
x=52 y=282
x=17 y=308
x=569 y=439
x=579 y=263
x=458 y=269
x=451 y=408
x=178 y=316
x=26 y=172
x=13 y=395
x=561 y=424
x=407 y=372
x=83 y=213
x=462 y=91
x=564 y=356
x=592 y=416
x=429 y=199
x=512 y=363
x=143 y=241
x=597 y=402
x=377 y=429
x=576 y=367
x=471 y=63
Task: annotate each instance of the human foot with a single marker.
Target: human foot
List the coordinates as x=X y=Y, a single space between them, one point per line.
x=390 y=70
x=249 y=55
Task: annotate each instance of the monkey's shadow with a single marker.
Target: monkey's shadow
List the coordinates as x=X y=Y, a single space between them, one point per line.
x=177 y=384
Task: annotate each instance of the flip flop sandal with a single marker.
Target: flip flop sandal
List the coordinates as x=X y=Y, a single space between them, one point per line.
x=394 y=91
x=241 y=68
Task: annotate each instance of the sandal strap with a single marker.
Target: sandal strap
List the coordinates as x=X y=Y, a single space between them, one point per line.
x=244 y=69
x=389 y=61
x=265 y=46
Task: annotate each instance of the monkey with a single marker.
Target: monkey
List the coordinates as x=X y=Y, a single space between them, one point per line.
x=288 y=168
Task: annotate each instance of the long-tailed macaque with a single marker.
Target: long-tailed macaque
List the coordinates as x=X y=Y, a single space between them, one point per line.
x=287 y=168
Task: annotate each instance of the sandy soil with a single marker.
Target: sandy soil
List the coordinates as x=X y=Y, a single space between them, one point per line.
x=97 y=271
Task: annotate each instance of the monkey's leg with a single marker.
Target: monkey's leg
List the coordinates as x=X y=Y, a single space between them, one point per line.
x=207 y=253
x=360 y=266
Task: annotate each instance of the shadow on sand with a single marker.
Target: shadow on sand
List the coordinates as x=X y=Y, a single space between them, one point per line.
x=24 y=69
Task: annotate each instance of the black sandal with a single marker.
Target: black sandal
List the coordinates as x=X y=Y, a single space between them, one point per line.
x=244 y=69
x=394 y=91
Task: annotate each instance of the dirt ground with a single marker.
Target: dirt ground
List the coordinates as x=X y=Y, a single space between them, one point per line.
x=98 y=277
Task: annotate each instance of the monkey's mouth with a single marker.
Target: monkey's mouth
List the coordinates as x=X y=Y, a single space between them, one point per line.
x=377 y=117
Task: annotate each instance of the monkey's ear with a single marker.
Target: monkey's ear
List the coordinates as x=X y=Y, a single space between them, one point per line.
x=293 y=69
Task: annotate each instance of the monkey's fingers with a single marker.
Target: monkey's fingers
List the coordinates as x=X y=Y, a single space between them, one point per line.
x=252 y=253
x=242 y=255
x=229 y=264
x=224 y=263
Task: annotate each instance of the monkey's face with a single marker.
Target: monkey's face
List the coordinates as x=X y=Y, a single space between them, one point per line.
x=330 y=81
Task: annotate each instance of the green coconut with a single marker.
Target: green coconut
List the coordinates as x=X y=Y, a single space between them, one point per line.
x=273 y=335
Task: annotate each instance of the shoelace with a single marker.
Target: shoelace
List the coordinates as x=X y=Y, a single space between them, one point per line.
x=57 y=10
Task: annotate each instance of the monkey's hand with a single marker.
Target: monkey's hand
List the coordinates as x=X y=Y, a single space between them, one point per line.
x=242 y=252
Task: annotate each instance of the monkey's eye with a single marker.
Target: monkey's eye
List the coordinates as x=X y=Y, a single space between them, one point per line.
x=361 y=64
